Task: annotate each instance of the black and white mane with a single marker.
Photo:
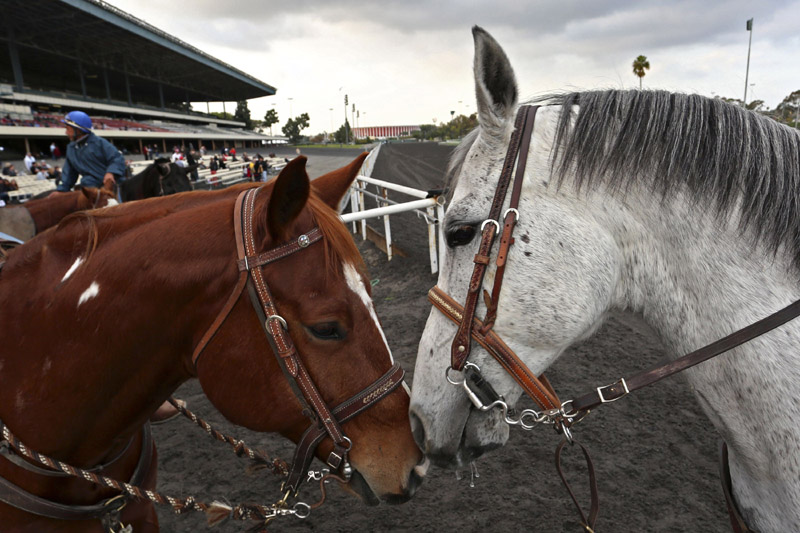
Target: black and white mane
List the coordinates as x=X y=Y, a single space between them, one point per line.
x=721 y=154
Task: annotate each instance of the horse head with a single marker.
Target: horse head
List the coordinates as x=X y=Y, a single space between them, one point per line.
x=93 y=198
x=553 y=242
x=322 y=294
x=161 y=178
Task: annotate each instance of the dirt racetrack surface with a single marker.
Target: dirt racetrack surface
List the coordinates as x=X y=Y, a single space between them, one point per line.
x=655 y=453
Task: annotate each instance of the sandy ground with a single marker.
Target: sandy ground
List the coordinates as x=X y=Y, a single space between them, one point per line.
x=655 y=453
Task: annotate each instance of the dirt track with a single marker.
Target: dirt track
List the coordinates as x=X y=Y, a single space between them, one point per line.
x=654 y=452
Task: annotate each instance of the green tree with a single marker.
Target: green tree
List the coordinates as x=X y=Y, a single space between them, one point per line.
x=270 y=118
x=640 y=64
x=343 y=133
x=294 y=126
x=787 y=110
x=242 y=114
x=222 y=115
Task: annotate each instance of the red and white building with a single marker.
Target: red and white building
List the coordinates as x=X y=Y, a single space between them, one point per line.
x=383 y=132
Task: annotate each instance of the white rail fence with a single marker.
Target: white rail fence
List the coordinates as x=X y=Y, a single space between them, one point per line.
x=428 y=208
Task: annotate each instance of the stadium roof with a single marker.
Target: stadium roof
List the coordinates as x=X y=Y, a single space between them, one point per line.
x=90 y=47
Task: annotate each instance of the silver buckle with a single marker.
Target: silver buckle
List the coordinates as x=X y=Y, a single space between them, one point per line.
x=600 y=391
x=303 y=241
x=491 y=221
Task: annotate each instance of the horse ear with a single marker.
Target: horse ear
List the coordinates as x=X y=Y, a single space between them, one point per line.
x=331 y=187
x=495 y=83
x=289 y=196
x=90 y=193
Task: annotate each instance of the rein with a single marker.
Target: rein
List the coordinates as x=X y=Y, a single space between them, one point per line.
x=560 y=414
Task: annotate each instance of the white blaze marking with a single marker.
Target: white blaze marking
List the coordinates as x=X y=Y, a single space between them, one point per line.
x=111 y=202
x=72 y=269
x=356 y=285
x=91 y=292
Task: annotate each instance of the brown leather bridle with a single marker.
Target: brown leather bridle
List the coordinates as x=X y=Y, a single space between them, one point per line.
x=324 y=420
x=561 y=414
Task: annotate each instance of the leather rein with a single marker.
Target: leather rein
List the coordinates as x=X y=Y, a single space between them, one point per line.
x=561 y=414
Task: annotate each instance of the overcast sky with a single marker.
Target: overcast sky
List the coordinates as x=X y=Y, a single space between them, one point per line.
x=408 y=62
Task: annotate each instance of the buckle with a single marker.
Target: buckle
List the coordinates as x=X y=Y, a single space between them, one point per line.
x=621 y=381
x=491 y=221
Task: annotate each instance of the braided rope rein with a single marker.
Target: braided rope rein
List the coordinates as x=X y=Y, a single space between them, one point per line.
x=215 y=511
x=276 y=466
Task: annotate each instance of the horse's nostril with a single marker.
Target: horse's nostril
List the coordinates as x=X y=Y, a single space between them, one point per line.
x=417 y=430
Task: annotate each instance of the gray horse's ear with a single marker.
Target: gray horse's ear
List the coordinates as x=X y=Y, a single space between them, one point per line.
x=495 y=83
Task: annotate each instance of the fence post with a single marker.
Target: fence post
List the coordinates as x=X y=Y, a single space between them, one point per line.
x=432 y=243
x=440 y=230
x=387 y=229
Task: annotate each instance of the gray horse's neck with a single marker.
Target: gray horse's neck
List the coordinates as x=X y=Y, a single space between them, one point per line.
x=695 y=279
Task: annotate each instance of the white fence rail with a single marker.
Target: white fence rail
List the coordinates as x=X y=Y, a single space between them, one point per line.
x=429 y=208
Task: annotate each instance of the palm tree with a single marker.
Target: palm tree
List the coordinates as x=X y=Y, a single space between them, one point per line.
x=640 y=64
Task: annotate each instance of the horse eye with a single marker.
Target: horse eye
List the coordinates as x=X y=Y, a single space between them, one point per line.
x=327 y=331
x=460 y=236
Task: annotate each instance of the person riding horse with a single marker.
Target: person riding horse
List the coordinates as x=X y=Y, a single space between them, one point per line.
x=97 y=161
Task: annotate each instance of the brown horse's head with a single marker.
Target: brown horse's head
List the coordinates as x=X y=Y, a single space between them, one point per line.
x=323 y=293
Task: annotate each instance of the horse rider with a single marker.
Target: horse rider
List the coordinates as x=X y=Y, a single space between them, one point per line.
x=97 y=161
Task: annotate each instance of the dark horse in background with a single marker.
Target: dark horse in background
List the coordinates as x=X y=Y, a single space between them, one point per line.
x=162 y=178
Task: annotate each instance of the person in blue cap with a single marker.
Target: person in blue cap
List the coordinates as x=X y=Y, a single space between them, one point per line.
x=95 y=159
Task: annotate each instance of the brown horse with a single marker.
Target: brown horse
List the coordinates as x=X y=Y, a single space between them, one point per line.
x=78 y=386
x=38 y=214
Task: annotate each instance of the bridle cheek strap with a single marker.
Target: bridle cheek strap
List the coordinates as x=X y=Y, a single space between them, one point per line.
x=518 y=147
x=539 y=389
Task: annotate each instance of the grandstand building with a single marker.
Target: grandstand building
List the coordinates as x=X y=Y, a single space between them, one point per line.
x=133 y=79
x=384 y=132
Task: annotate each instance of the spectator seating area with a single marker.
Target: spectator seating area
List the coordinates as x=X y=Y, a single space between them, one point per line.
x=43 y=120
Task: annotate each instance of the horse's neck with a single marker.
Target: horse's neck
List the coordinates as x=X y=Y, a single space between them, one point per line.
x=695 y=280
x=126 y=350
x=49 y=211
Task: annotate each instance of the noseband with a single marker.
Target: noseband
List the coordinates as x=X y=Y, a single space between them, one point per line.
x=325 y=421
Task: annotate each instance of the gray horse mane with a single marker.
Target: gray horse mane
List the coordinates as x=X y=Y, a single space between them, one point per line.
x=721 y=154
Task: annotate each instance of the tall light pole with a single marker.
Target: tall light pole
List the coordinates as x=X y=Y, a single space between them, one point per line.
x=747 y=72
x=290 y=107
x=331 y=110
x=346 y=133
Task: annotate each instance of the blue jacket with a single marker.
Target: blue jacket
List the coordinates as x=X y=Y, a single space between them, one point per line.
x=91 y=157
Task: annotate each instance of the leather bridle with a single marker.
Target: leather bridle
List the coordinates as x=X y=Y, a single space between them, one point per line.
x=561 y=414
x=325 y=421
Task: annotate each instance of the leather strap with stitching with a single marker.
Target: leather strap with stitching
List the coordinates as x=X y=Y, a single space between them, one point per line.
x=461 y=343
x=647 y=377
x=541 y=392
x=304 y=453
